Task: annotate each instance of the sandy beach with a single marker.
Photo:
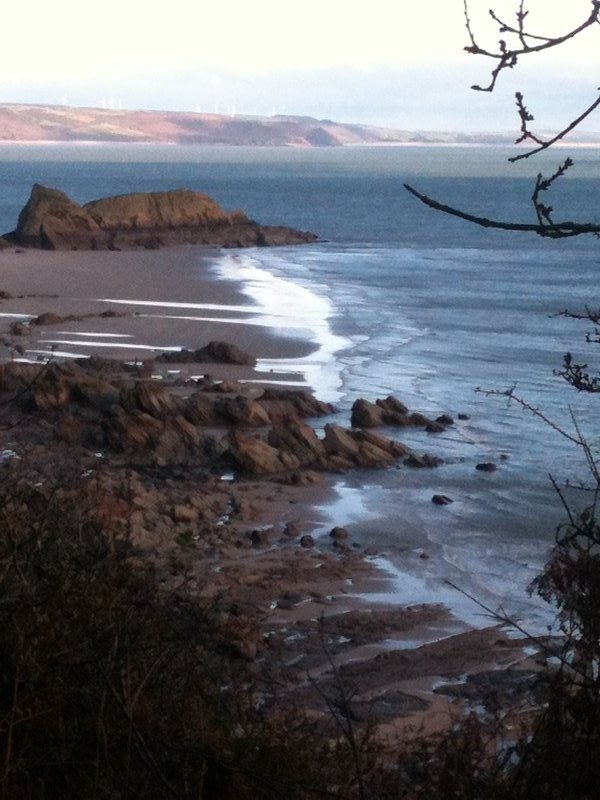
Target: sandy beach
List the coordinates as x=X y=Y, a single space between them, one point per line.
x=167 y=300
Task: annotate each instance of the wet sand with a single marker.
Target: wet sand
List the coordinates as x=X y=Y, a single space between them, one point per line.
x=199 y=308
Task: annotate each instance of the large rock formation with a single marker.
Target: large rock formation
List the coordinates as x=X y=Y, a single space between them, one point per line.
x=52 y=221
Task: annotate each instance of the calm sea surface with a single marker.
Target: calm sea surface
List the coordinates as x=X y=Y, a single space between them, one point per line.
x=407 y=301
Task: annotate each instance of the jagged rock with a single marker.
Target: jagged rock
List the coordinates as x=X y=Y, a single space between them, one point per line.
x=199 y=409
x=150 y=397
x=362 y=448
x=387 y=411
x=240 y=411
x=254 y=456
x=366 y=414
x=299 y=402
x=52 y=221
x=391 y=405
x=298 y=439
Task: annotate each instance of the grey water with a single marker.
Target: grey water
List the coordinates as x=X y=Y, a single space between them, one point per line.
x=422 y=306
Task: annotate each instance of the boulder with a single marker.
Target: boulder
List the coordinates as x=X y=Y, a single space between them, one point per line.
x=339 y=534
x=486 y=466
x=213 y=353
x=52 y=221
x=47 y=318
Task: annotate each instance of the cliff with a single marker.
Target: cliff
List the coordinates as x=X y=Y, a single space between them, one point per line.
x=52 y=221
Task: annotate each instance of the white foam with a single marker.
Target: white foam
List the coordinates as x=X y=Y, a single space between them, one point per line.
x=124 y=345
x=169 y=304
x=98 y=335
x=294 y=311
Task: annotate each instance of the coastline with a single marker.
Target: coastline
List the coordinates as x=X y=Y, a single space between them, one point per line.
x=86 y=283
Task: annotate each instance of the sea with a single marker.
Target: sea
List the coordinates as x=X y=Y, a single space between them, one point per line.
x=403 y=300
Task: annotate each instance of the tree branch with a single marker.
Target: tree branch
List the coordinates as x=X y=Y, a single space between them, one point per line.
x=544 y=145
x=554 y=230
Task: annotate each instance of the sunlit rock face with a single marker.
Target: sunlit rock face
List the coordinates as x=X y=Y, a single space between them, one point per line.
x=52 y=221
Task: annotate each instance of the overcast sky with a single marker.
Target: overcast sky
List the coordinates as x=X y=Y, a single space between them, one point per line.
x=388 y=62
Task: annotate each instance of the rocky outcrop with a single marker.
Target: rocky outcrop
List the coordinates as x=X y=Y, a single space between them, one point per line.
x=213 y=353
x=52 y=221
x=390 y=411
x=92 y=405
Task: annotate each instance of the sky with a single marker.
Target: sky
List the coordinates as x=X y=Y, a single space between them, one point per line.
x=398 y=63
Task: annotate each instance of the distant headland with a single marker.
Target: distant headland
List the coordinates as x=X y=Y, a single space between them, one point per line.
x=39 y=123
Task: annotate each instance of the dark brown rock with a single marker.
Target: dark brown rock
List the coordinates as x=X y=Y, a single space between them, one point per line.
x=292 y=530
x=47 y=319
x=339 y=534
x=299 y=440
x=307 y=540
x=151 y=398
x=52 y=221
x=299 y=402
x=213 y=353
x=424 y=460
x=254 y=456
x=260 y=538
x=19 y=328
x=366 y=414
x=441 y=500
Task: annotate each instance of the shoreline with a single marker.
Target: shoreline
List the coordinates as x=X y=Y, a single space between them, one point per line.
x=279 y=573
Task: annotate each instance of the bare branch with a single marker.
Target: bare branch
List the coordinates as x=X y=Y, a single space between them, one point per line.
x=554 y=230
x=506 y=56
x=544 y=145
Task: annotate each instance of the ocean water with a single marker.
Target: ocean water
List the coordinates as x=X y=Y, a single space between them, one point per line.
x=403 y=300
